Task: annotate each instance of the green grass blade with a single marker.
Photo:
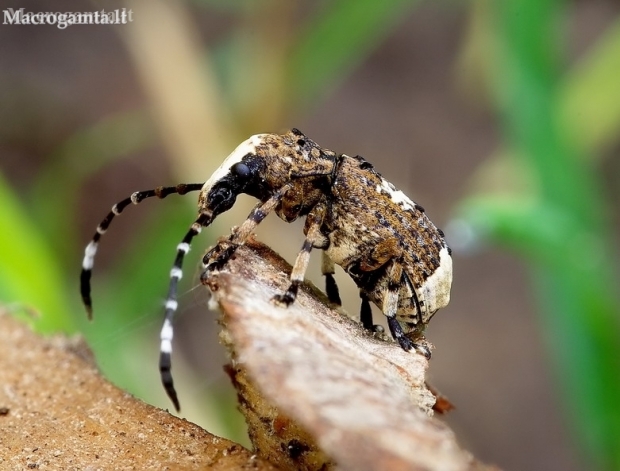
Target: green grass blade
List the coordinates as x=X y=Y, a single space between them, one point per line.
x=30 y=275
x=574 y=283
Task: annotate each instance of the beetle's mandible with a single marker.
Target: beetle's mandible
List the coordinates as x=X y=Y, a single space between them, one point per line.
x=397 y=257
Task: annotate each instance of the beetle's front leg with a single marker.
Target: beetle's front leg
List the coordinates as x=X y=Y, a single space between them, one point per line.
x=217 y=257
x=314 y=238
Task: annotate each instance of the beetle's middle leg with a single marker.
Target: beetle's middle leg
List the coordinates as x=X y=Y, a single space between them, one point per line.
x=366 y=313
x=314 y=239
x=331 y=288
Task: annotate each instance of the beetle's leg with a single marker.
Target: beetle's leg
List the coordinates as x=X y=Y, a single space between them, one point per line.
x=366 y=313
x=384 y=252
x=117 y=209
x=314 y=238
x=216 y=258
x=390 y=305
x=331 y=288
x=418 y=297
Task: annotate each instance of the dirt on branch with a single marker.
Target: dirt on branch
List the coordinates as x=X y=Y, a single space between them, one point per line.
x=58 y=413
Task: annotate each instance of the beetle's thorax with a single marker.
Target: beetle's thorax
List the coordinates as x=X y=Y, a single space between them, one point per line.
x=275 y=161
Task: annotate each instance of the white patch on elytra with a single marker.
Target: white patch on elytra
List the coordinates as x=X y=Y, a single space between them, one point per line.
x=397 y=196
x=436 y=288
x=246 y=147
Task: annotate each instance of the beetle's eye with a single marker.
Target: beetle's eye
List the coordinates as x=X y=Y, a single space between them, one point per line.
x=301 y=142
x=241 y=170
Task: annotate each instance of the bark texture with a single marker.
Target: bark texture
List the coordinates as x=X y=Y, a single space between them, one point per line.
x=363 y=399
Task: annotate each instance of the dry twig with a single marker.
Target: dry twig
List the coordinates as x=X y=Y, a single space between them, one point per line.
x=364 y=400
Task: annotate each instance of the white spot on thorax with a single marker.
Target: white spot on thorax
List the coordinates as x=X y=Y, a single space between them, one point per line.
x=246 y=147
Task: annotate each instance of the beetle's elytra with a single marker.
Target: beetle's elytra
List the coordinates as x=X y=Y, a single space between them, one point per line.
x=397 y=257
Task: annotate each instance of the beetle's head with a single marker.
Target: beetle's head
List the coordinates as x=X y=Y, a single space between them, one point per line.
x=262 y=165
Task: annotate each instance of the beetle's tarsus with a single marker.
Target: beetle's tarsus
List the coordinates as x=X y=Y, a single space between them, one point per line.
x=288 y=297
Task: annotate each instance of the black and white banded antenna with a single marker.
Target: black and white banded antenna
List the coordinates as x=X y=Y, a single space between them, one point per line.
x=167 y=331
x=175 y=275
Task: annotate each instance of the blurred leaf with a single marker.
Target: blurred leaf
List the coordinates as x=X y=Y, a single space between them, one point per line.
x=337 y=40
x=576 y=287
x=29 y=273
x=545 y=235
x=589 y=107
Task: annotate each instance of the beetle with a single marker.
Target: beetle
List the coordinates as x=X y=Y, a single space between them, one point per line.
x=396 y=256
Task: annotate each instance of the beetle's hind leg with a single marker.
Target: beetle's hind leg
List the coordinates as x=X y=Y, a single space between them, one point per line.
x=314 y=238
x=390 y=307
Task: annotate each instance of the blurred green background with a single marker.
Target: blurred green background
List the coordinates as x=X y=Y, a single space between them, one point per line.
x=501 y=118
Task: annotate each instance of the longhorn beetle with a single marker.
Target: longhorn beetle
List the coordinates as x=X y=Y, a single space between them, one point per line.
x=383 y=240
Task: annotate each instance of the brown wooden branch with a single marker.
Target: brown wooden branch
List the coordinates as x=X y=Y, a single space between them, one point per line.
x=363 y=400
